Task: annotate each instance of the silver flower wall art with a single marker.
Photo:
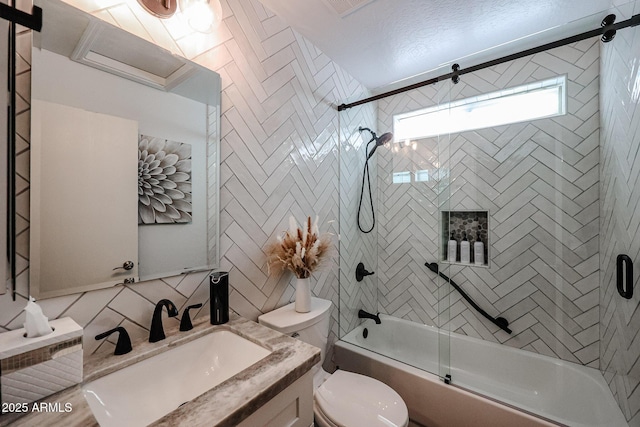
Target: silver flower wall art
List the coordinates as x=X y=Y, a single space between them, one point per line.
x=164 y=181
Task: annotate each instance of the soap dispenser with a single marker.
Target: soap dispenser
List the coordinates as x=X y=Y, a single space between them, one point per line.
x=478 y=251
x=465 y=249
x=219 y=297
x=452 y=248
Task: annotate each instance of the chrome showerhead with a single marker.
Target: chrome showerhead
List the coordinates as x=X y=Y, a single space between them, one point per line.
x=379 y=140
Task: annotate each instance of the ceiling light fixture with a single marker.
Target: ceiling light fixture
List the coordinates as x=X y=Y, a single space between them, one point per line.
x=202 y=15
x=159 y=8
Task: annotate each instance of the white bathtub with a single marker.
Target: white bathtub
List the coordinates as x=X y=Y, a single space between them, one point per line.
x=561 y=392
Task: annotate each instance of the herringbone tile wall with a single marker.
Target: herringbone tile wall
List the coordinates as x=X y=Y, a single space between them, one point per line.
x=539 y=182
x=355 y=246
x=619 y=351
x=279 y=156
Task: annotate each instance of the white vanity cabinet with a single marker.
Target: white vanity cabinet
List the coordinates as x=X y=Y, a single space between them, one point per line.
x=293 y=407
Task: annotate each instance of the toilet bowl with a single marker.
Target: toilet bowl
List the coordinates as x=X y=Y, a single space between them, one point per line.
x=341 y=399
x=347 y=399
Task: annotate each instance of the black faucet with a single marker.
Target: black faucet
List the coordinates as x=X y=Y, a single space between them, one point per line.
x=156 y=333
x=123 y=346
x=185 y=321
x=364 y=315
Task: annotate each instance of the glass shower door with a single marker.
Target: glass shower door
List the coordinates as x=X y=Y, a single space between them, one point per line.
x=409 y=177
x=443 y=260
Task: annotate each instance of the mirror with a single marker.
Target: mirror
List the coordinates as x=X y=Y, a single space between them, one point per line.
x=124 y=154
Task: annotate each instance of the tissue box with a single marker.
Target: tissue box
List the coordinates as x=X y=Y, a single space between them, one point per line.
x=33 y=368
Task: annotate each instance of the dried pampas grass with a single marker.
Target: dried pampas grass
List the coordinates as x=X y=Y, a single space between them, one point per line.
x=301 y=250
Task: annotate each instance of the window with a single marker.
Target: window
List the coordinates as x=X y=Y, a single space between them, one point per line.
x=422 y=175
x=523 y=103
x=401 y=177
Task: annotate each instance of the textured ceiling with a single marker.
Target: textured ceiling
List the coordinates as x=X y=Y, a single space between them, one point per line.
x=386 y=41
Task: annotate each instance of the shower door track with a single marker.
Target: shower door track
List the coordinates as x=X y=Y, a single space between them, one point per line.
x=607 y=30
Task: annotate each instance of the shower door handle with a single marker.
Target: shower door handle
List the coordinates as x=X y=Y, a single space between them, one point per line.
x=628 y=277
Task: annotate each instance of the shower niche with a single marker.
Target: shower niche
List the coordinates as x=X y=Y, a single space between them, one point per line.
x=472 y=224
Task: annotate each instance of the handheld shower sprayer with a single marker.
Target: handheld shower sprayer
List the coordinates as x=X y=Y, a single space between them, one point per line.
x=379 y=140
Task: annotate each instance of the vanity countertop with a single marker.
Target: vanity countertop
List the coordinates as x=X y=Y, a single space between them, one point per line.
x=227 y=404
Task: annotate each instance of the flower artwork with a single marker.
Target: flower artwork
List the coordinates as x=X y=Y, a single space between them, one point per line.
x=164 y=181
x=301 y=250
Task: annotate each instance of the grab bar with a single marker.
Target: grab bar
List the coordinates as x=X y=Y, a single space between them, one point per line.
x=500 y=322
x=624 y=259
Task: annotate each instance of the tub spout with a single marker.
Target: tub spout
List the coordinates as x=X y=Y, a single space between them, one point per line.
x=364 y=315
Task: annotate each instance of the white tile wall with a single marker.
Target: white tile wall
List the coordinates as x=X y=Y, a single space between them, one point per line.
x=619 y=194
x=539 y=181
x=279 y=156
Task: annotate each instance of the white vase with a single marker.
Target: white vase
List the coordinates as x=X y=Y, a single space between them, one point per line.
x=303 y=296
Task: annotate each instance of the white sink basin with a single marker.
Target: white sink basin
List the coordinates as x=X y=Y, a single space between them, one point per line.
x=146 y=391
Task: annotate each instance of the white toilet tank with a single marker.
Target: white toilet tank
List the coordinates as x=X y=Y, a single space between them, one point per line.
x=311 y=327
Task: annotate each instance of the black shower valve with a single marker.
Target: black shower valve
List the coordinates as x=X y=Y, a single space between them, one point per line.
x=361 y=272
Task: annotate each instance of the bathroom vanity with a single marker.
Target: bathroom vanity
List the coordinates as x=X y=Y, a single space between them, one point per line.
x=276 y=390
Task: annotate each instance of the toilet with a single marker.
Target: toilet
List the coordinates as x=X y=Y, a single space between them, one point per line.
x=341 y=399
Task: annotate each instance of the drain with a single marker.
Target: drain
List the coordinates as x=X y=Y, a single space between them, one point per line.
x=365 y=333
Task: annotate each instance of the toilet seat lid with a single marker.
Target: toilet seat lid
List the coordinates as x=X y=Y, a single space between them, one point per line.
x=349 y=399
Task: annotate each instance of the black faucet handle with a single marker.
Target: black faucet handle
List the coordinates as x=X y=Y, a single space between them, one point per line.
x=185 y=322
x=123 y=346
x=361 y=272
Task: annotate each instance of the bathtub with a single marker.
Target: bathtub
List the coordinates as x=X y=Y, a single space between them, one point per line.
x=492 y=384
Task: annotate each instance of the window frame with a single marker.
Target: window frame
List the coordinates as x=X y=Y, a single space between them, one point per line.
x=443 y=112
